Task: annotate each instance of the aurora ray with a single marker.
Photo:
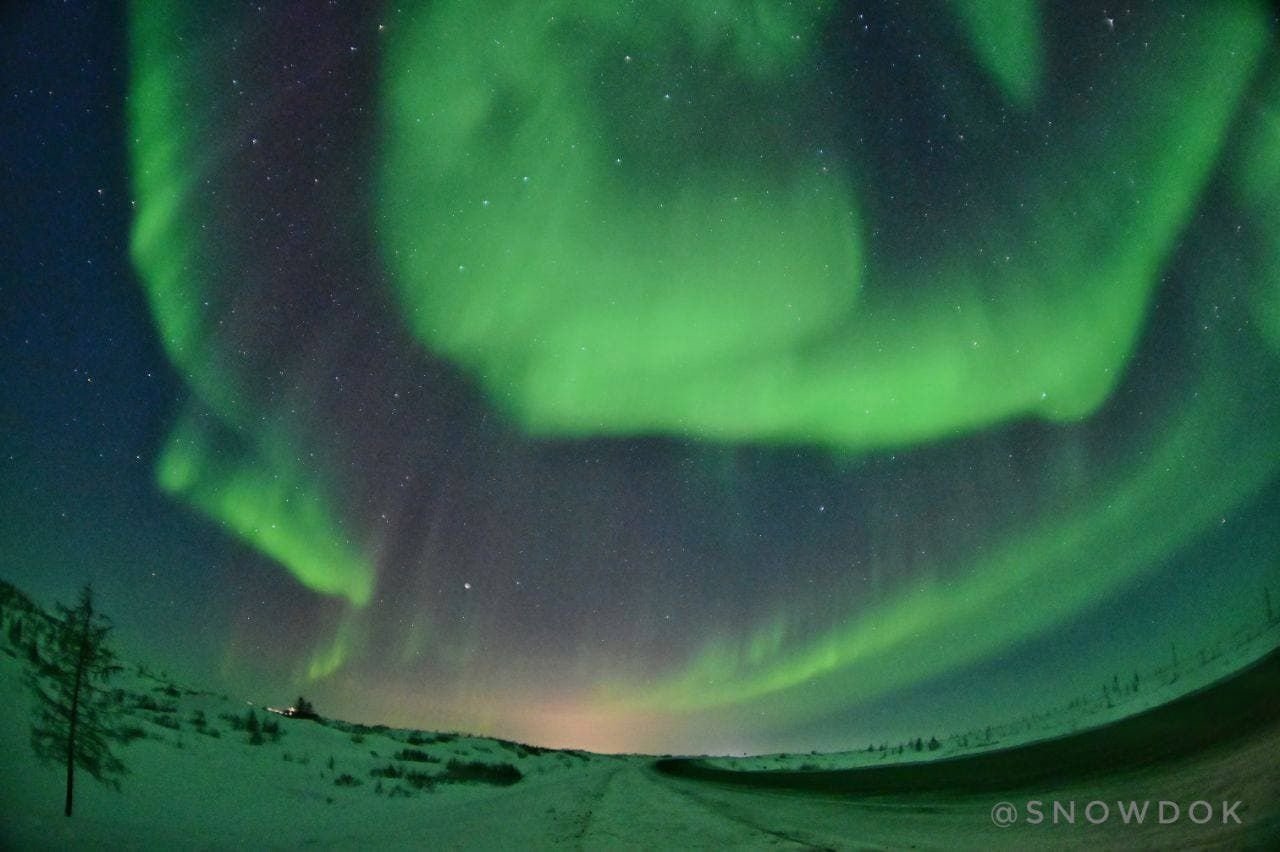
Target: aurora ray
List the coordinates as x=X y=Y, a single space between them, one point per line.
x=713 y=365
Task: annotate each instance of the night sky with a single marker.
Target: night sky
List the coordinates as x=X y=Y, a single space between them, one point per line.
x=673 y=376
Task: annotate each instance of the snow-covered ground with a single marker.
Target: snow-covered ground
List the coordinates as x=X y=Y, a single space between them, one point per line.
x=207 y=786
x=192 y=790
x=1119 y=699
x=197 y=781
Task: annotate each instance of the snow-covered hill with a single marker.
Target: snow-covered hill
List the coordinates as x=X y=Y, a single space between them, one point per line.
x=203 y=776
x=199 y=775
x=1151 y=687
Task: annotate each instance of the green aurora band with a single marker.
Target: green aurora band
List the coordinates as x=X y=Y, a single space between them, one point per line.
x=220 y=457
x=610 y=251
x=726 y=295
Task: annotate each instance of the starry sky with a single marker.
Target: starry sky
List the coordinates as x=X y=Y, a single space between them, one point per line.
x=699 y=376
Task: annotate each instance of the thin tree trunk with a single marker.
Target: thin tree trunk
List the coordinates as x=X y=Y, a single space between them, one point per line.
x=75 y=711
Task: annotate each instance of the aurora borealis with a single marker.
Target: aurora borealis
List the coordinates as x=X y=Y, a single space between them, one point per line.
x=689 y=376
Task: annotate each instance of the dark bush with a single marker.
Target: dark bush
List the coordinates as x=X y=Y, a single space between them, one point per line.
x=347 y=780
x=254 y=728
x=421 y=780
x=418 y=738
x=304 y=709
x=416 y=755
x=475 y=771
x=131 y=733
x=418 y=780
x=166 y=722
x=146 y=702
x=522 y=750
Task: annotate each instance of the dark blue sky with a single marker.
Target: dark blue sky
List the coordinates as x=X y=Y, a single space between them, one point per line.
x=519 y=578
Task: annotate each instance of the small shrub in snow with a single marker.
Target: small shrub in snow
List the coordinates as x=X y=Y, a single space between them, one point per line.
x=146 y=702
x=418 y=738
x=522 y=750
x=347 y=780
x=421 y=780
x=166 y=722
x=254 y=728
x=416 y=755
x=475 y=771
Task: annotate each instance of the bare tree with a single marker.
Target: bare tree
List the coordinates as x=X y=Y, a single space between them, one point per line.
x=74 y=709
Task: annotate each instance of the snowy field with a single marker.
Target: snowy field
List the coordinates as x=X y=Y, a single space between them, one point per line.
x=197 y=780
x=1152 y=687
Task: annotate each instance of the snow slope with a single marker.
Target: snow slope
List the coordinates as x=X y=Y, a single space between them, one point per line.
x=343 y=786
x=194 y=791
x=1154 y=686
